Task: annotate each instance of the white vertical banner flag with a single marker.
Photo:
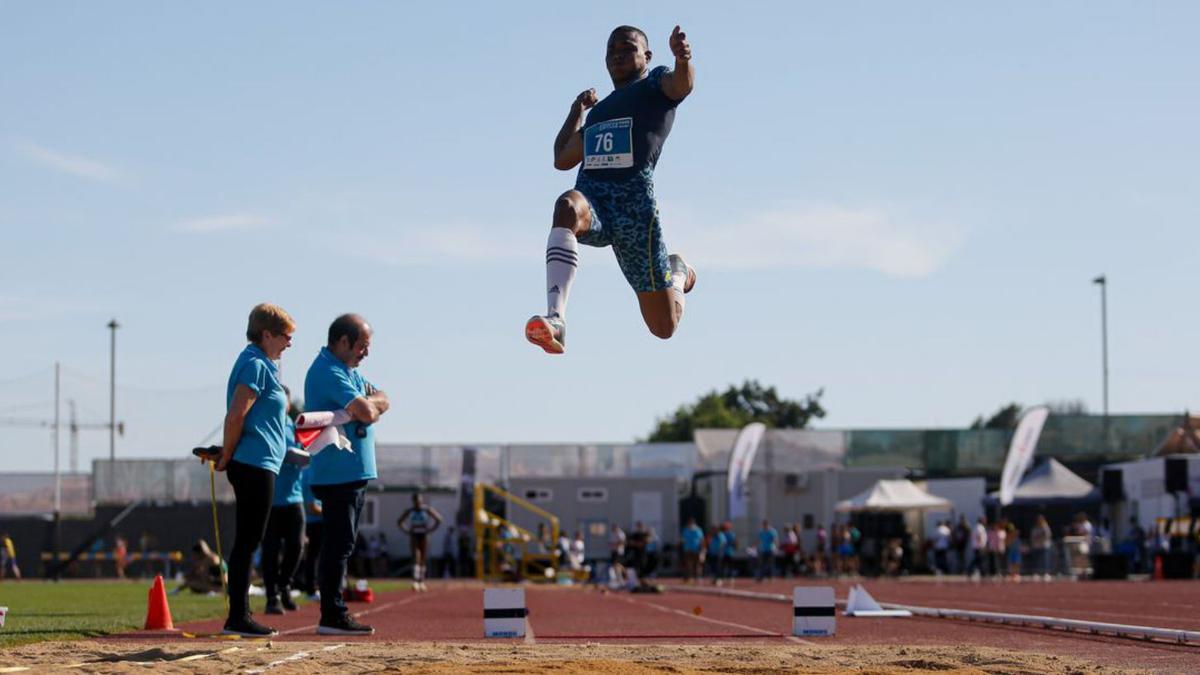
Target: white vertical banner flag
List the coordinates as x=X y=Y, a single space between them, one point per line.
x=1020 y=453
x=745 y=446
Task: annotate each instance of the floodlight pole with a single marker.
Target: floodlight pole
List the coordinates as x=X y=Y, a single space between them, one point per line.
x=1102 y=280
x=57 y=466
x=57 y=435
x=112 y=391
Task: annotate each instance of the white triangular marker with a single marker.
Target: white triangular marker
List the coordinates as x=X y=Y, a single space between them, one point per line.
x=860 y=603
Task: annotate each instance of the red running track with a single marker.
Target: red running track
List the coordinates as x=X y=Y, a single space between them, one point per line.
x=453 y=613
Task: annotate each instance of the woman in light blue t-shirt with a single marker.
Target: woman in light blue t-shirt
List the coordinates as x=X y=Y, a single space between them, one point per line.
x=253 y=450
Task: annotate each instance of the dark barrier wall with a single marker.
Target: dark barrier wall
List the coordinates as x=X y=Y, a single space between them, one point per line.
x=172 y=527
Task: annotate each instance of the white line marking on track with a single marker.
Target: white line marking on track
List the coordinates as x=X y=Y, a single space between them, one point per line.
x=397 y=603
x=197 y=657
x=298 y=656
x=680 y=612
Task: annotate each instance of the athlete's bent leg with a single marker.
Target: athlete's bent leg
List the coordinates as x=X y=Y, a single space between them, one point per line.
x=662 y=310
x=572 y=218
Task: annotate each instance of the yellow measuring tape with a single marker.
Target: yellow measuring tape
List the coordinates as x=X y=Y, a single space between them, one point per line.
x=212 y=488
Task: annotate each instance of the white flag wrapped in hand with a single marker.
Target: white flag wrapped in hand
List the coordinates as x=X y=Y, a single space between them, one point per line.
x=317 y=430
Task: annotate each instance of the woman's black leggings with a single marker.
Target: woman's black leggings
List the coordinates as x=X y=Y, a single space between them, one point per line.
x=285 y=532
x=254 y=489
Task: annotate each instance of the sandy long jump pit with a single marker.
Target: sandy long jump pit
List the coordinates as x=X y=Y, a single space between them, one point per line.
x=324 y=657
x=578 y=630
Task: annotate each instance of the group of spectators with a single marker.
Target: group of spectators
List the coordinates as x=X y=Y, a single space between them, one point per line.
x=715 y=554
x=999 y=550
x=639 y=551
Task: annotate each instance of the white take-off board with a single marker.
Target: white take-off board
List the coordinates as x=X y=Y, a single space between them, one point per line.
x=813 y=612
x=504 y=612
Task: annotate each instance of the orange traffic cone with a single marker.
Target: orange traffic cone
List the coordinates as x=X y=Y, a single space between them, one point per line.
x=1158 y=567
x=158 y=613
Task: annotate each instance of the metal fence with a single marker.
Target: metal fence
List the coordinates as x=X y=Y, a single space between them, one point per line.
x=935 y=452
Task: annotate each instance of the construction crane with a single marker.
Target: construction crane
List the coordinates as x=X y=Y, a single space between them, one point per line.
x=73 y=426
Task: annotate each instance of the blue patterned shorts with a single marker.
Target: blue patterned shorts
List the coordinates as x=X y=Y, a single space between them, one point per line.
x=625 y=216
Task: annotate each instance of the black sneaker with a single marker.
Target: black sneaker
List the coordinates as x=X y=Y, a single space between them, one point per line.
x=285 y=599
x=273 y=606
x=343 y=625
x=247 y=627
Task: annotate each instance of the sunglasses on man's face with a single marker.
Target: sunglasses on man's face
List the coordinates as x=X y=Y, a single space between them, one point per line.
x=285 y=336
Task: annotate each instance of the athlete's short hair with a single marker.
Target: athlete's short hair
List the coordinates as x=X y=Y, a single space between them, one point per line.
x=266 y=316
x=630 y=29
x=348 y=326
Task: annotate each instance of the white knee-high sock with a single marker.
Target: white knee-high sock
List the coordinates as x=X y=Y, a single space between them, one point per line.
x=562 y=259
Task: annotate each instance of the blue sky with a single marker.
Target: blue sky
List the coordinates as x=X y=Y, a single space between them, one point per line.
x=904 y=204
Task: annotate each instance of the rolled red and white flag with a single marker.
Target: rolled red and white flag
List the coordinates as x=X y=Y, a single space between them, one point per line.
x=316 y=431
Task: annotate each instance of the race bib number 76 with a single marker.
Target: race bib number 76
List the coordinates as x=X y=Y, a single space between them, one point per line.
x=609 y=145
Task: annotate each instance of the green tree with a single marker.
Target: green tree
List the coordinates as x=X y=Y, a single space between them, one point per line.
x=736 y=407
x=1004 y=418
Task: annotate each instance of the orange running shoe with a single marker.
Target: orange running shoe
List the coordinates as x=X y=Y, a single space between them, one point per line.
x=547 y=332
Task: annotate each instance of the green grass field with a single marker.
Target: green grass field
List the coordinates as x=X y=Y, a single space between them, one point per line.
x=70 y=610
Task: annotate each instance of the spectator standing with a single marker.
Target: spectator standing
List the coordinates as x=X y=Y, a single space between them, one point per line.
x=339 y=477
x=941 y=547
x=790 y=549
x=653 y=552
x=1137 y=535
x=835 y=549
x=979 y=553
x=996 y=536
x=636 y=548
x=8 y=558
x=854 y=552
x=819 y=565
x=285 y=529
x=578 y=551
x=1012 y=543
x=1041 y=539
x=960 y=540
x=691 y=543
x=716 y=553
x=616 y=553
x=768 y=543
x=730 y=550
x=120 y=555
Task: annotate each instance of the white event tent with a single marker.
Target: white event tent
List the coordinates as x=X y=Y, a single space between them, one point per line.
x=894 y=495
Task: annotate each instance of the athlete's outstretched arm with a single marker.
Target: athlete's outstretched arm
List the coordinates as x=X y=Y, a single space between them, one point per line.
x=678 y=83
x=568 y=145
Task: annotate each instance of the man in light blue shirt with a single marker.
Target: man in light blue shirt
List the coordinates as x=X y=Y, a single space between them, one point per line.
x=692 y=540
x=768 y=543
x=339 y=477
